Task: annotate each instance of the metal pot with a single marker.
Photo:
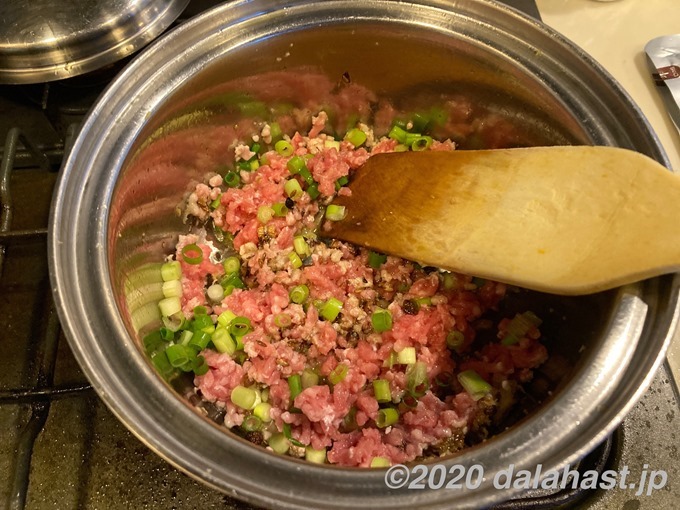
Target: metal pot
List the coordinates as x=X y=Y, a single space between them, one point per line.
x=114 y=217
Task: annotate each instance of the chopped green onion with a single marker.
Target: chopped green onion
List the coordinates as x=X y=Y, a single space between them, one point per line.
x=200 y=366
x=232 y=265
x=289 y=436
x=175 y=322
x=215 y=292
x=225 y=318
x=381 y=320
x=398 y=134
x=299 y=294
x=178 y=355
x=292 y=189
x=239 y=326
x=162 y=364
x=155 y=340
x=185 y=337
x=283 y=148
x=279 y=443
x=251 y=423
x=171 y=271
x=313 y=191
x=295 y=260
x=192 y=254
x=356 y=137
x=245 y=398
x=449 y=281
x=341 y=182
x=166 y=334
x=519 y=326
x=223 y=341
x=423 y=301
x=202 y=323
x=386 y=417
x=262 y=410
x=232 y=179
x=216 y=203
x=407 y=356
x=280 y=209
x=473 y=383
x=275 y=131
x=295 y=164
x=255 y=147
x=170 y=306
x=200 y=310
x=172 y=288
x=232 y=279
x=416 y=379
x=200 y=340
x=381 y=390
x=309 y=378
x=375 y=260
x=335 y=212
x=421 y=143
x=295 y=386
x=264 y=214
x=338 y=374
x=301 y=247
x=331 y=309
x=391 y=360
x=455 y=340
x=379 y=462
x=307 y=176
x=282 y=320
x=400 y=148
x=315 y=456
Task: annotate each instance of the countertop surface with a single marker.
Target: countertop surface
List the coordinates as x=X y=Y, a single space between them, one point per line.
x=615 y=34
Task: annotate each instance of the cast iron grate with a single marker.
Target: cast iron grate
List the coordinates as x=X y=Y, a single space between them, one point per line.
x=36 y=397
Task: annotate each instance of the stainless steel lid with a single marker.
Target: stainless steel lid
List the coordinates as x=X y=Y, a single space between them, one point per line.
x=46 y=40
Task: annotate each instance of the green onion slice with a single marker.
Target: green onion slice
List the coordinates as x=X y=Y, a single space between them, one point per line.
x=331 y=309
x=386 y=417
x=381 y=320
x=381 y=390
x=251 y=423
x=295 y=386
x=192 y=254
x=296 y=164
x=338 y=374
x=375 y=260
x=239 y=326
x=283 y=148
x=356 y=137
x=232 y=265
x=292 y=189
x=299 y=294
x=171 y=271
x=473 y=383
x=336 y=212
x=245 y=398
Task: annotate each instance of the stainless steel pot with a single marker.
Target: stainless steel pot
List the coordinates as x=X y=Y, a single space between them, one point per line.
x=154 y=131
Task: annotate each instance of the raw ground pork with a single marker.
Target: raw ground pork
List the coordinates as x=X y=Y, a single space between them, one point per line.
x=425 y=305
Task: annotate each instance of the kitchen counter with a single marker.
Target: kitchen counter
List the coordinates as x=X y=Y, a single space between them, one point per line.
x=615 y=34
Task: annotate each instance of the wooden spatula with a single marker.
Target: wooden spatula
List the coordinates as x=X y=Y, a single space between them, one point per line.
x=565 y=220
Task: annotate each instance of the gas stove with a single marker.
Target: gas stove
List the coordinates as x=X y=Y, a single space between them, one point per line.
x=62 y=447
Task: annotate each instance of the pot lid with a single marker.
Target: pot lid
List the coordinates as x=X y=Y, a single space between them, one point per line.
x=46 y=40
